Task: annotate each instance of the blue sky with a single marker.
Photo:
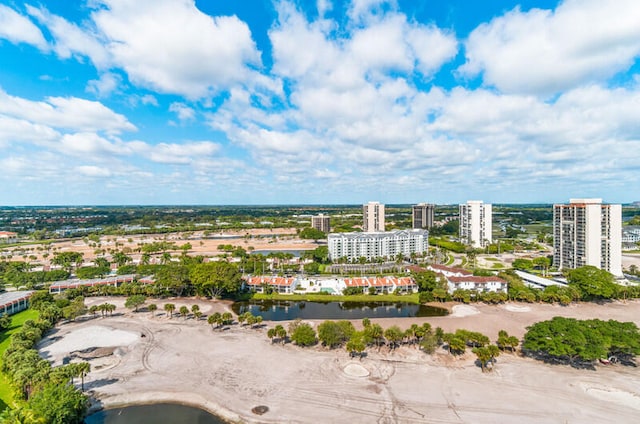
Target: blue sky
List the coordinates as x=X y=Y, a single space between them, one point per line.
x=285 y=102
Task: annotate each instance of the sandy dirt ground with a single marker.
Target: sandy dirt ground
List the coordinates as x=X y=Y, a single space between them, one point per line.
x=229 y=372
x=259 y=239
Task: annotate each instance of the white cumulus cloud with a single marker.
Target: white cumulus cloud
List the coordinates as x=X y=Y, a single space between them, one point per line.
x=548 y=51
x=19 y=29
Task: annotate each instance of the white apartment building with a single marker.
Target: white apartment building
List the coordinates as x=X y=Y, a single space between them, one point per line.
x=475 y=223
x=353 y=246
x=422 y=215
x=321 y=223
x=587 y=232
x=373 y=217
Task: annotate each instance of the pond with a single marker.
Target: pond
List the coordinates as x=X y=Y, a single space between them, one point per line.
x=295 y=253
x=152 y=414
x=284 y=310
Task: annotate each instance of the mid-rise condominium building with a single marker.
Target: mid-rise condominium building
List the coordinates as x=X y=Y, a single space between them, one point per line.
x=587 y=232
x=373 y=217
x=422 y=215
x=321 y=222
x=389 y=244
x=475 y=223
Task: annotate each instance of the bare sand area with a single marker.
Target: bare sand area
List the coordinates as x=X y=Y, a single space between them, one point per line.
x=232 y=371
x=257 y=238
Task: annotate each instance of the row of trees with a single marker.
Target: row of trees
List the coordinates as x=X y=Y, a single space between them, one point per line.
x=45 y=393
x=335 y=334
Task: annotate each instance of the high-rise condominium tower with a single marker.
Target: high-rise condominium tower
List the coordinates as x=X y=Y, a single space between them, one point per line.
x=422 y=215
x=475 y=223
x=321 y=223
x=586 y=232
x=373 y=217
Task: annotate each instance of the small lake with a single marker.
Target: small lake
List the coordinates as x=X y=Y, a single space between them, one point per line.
x=284 y=310
x=153 y=414
x=295 y=253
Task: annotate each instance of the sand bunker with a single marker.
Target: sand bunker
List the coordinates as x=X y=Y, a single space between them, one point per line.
x=356 y=370
x=610 y=394
x=515 y=308
x=460 y=311
x=93 y=336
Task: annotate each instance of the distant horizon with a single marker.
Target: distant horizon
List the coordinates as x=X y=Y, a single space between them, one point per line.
x=278 y=205
x=278 y=102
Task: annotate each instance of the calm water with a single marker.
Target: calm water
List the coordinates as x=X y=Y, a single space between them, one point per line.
x=295 y=253
x=282 y=310
x=153 y=414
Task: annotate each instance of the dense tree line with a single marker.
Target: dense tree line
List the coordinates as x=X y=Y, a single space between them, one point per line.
x=581 y=342
x=45 y=394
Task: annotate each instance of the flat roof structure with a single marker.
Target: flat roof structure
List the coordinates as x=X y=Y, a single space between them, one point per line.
x=532 y=280
x=114 y=280
x=16 y=301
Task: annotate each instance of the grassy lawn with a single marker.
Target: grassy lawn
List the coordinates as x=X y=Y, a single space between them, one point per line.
x=409 y=298
x=6 y=393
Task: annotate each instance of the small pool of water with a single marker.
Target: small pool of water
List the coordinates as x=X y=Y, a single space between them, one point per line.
x=154 y=414
x=284 y=310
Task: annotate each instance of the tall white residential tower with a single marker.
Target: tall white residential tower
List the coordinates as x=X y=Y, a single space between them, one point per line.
x=475 y=223
x=373 y=217
x=586 y=232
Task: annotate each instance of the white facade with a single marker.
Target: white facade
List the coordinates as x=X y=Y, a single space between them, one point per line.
x=373 y=217
x=475 y=223
x=353 y=246
x=586 y=232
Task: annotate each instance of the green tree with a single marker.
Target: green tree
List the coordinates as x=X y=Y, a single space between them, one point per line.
x=312 y=234
x=174 y=278
x=356 y=344
x=394 y=335
x=271 y=333
x=170 y=307
x=215 y=279
x=227 y=318
x=59 y=404
x=152 y=308
x=184 y=311
x=333 y=334
x=281 y=333
x=67 y=260
x=592 y=282
x=121 y=258
x=215 y=318
x=304 y=335
x=425 y=280
x=134 y=301
x=485 y=355
x=523 y=264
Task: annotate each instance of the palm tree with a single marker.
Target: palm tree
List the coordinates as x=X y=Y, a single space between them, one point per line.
x=281 y=333
x=170 y=307
x=184 y=311
x=271 y=333
x=194 y=309
x=82 y=369
x=152 y=308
